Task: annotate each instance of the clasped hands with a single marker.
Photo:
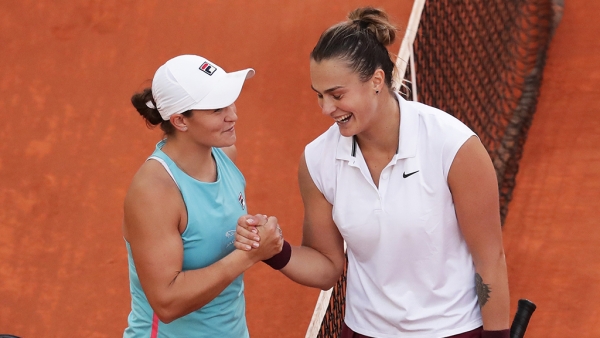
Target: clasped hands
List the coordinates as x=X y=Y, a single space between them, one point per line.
x=260 y=235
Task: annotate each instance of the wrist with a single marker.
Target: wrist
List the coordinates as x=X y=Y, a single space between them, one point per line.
x=280 y=260
x=496 y=334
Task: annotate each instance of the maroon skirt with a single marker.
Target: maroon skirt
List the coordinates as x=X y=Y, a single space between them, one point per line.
x=348 y=333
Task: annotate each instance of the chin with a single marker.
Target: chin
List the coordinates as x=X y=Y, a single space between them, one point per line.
x=229 y=142
x=346 y=132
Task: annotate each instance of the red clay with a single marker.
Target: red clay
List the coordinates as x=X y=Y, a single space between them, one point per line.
x=71 y=143
x=551 y=235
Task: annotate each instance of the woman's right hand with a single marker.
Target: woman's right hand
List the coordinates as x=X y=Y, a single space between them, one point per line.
x=260 y=235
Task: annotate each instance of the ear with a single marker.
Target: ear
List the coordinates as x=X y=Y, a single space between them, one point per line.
x=378 y=80
x=178 y=121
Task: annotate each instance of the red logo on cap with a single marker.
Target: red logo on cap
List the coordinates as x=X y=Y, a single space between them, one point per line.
x=208 y=68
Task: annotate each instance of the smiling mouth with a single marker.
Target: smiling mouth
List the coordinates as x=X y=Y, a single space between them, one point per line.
x=343 y=119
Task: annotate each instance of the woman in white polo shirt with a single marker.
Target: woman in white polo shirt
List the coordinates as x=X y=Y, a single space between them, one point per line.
x=409 y=188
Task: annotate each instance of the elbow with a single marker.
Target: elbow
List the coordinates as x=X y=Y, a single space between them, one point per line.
x=497 y=257
x=165 y=315
x=326 y=286
x=331 y=280
x=492 y=263
x=165 y=320
x=166 y=311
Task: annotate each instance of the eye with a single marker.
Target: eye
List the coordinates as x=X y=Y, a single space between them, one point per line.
x=320 y=95
x=337 y=97
x=218 y=110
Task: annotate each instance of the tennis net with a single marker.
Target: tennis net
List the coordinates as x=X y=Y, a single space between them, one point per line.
x=481 y=61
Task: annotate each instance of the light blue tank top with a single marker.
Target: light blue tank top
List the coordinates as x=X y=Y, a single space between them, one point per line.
x=213 y=209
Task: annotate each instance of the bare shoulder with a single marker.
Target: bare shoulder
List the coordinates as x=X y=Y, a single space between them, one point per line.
x=304 y=178
x=151 y=179
x=471 y=161
x=474 y=186
x=231 y=152
x=152 y=195
x=319 y=230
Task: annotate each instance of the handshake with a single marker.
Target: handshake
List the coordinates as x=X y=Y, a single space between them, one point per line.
x=261 y=236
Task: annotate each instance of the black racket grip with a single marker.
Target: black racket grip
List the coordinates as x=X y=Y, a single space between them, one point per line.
x=525 y=309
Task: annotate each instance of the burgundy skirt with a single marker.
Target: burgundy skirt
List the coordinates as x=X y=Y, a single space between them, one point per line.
x=348 y=333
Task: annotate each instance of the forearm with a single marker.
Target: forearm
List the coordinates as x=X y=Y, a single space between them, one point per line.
x=309 y=267
x=191 y=290
x=491 y=283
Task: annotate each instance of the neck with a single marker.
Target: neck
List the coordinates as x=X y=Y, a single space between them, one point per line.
x=383 y=134
x=192 y=158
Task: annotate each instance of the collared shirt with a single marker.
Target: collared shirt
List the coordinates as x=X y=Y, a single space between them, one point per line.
x=410 y=273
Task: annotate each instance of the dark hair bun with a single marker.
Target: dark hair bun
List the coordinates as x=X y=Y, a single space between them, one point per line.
x=376 y=21
x=151 y=115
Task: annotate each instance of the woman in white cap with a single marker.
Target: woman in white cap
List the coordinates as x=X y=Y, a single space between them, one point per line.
x=181 y=209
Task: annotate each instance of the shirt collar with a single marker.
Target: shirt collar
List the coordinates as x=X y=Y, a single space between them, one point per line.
x=346 y=148
x=407 y=142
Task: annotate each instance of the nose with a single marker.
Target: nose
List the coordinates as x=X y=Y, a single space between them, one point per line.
x=231 y=113
x=327 y=106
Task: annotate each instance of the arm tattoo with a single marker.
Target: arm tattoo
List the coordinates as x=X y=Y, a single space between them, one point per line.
x=483 y=290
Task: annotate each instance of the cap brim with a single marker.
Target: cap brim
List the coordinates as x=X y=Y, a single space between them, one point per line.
x=226 y=91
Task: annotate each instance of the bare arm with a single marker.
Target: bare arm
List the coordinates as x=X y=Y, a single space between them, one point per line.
x=154 y=214
x=474 y=188
x=320 y=260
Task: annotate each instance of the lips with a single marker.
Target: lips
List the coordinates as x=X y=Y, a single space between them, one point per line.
x=342 y=119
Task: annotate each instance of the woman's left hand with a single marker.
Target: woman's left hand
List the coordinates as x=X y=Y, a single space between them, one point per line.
x=247 y=236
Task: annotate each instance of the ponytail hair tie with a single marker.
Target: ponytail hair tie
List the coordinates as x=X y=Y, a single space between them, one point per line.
x=150 y=105
x=362 y=24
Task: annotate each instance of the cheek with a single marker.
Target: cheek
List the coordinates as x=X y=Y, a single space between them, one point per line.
x=214 y=124
x=207 y=129
x=356 y=107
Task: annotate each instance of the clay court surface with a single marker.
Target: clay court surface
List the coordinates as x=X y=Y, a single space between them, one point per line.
x=71 y=143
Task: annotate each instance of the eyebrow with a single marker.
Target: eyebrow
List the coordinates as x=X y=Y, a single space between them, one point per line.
x=327 y=90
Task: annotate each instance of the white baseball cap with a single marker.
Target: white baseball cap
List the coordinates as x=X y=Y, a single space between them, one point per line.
x=192 y=82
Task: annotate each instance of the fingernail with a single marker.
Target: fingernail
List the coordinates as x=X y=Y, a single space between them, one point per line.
x=255 y=245
x=254 y=230
x=248 y=247
x=256 y=238
x=250 y=221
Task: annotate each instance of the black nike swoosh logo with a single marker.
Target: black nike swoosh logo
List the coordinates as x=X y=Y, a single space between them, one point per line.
x=405 y=175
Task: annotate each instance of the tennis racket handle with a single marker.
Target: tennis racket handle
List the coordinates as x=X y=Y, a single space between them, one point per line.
x=525 y=309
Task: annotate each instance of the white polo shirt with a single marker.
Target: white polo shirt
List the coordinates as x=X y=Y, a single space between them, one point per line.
x=410 y=273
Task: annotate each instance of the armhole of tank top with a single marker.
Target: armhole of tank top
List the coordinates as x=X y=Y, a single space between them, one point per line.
x=164 y=164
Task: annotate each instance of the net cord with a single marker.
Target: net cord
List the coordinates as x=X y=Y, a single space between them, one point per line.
x=405 y=54
x=406 y=50
x=413 y=73
x=319 y=314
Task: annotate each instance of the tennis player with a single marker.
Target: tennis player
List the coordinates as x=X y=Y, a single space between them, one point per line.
x=409 y=188
x=182 y=208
